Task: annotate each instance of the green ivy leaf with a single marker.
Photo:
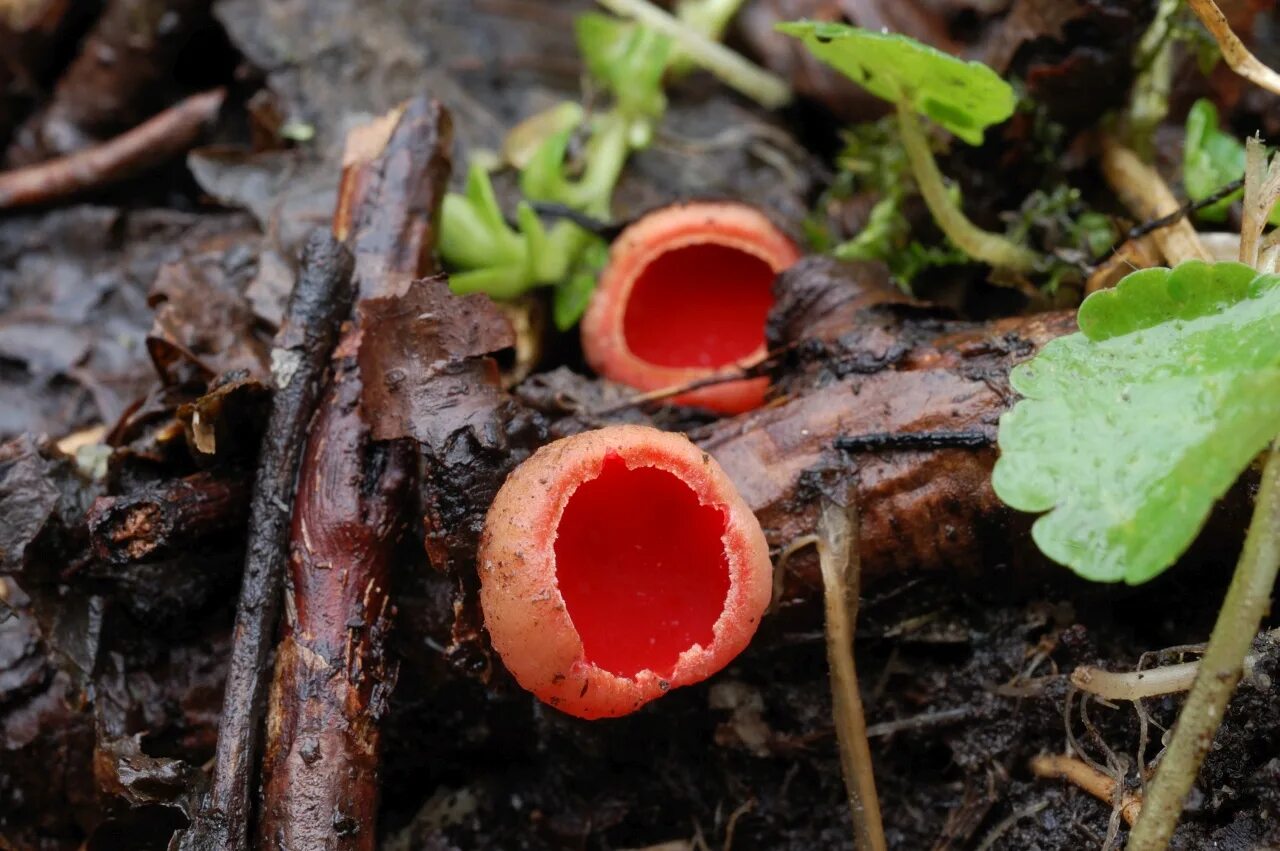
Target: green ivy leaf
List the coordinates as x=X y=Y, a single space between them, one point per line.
x=1133 y=428
x=572 y=294
x=964 y=97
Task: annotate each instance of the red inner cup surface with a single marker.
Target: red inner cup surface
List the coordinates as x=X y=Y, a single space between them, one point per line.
x=702 y=305
x=642 y=568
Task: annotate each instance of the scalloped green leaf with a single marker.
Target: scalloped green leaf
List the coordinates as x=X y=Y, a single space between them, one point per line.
x=964 y=97
x=1131 y=430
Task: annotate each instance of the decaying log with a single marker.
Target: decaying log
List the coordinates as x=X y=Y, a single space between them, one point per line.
x=321 y=300
x=895 y=395
x=332 y=676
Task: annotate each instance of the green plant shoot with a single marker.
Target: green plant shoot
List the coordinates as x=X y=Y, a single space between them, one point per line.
x=963 y=97
x=628 y=62
x=488 y=254
x=1131 y=429
x=1210 y=160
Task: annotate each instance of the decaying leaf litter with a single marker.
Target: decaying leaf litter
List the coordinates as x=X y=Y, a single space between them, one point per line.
x=141 y=317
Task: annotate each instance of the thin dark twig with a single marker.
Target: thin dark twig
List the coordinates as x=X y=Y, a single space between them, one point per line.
x=607 y=231
x=1187 y=209
x=151 y=143
x=888 y=441
x=756 y=370
x=320 y=302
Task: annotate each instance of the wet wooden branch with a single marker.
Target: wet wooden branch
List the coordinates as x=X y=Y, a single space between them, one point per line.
x=895 y=397
x=321 y=300
x=167 y=518
x=146 y=146
x=332 y=676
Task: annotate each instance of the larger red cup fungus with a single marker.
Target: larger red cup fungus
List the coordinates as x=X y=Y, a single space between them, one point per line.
x=618 y=564
x=685 y=296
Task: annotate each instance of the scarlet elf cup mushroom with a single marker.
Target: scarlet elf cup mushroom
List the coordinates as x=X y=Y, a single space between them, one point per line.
x=685 y=296
x=618 y=564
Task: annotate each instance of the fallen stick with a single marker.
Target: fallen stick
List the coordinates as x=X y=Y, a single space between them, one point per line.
x=166 y=518
x=332 y=677
x=321 y=300
x=149 y=144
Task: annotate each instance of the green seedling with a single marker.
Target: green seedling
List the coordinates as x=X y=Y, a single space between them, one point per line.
x=963 y=97
x=1211 y=159
x=1132 y=429
x=572 y=158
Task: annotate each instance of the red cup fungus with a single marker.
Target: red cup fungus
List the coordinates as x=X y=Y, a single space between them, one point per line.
x=685 y=296
x=618 y=564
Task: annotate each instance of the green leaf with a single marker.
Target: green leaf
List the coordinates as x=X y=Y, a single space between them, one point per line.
x=572 y=294
x=1133 y=428
x=964 y=97
x=1210 y=159
x=628 y=60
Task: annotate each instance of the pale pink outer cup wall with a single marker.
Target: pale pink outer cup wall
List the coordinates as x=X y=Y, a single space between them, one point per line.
x=524 y=612
x=603 y=341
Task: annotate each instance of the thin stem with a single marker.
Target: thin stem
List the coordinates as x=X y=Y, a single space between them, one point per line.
x=1149 y=103
x=972 y=240
x=769 y=90
x=1234 y=52
x=606 y=156
x=841 y=567
x=1139 y=685
x=1242 y=611
x=1097 y=783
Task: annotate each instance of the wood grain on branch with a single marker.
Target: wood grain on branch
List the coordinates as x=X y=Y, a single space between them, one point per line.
x=321 y=300
x=333 y=677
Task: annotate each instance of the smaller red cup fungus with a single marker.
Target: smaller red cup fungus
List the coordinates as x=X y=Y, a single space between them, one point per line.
x=685 y=296
x=618 y=564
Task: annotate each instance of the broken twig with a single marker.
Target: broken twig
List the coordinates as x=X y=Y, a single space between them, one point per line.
x=151 y=143
x=1241 y=60
x=166 y=518
x=321 y=300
